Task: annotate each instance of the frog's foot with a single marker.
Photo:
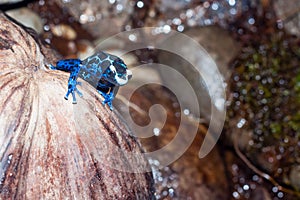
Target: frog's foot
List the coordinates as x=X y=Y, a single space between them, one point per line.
x=108 y=98
x=51 y=66
x=103 y=94
x=72 y=89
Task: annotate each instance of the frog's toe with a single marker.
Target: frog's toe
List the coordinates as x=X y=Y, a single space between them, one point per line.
x=67 y=95
x=51 y=67
x=74 y=98
x=78 y=83
x=110 y=105
x=78 y=92
x=102 y=94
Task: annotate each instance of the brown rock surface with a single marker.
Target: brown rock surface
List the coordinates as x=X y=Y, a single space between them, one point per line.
x=50 y=148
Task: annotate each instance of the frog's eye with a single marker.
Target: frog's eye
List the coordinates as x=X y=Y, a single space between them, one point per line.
x=112 y=69
x=120 y=67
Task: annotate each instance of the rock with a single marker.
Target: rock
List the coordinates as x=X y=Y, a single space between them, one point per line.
x=100 y=18
x=64 y=31
x=9 y=1
x=187 y=177
x=52 y=149
x=295 y=177
x=288 y=12
x=220 y=46
x=27 y=18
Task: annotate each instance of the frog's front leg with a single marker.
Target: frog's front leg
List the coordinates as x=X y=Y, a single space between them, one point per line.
x=108 y=98
x=72 y=88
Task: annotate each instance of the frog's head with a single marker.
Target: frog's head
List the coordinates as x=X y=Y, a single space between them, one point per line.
x=118 y=73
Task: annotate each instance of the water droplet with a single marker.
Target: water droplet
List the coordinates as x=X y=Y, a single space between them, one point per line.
x=132 y=37
x=127 y=27
x=264 y=101
x=119 y=7
x=206 y=4
x=83 y=19
x=214 y=6
x=246 y=187
x=231 y=2
x=180 y=28
x=189 y=13
x=41 y=2
x=156 y=131
x=233 y=11
x=255 y=178
x=279 y=170
x=281 y=81
x=280 y=194
x=176 y=21
x=171 y=192
x=140 y=4
x=166 y=28
x=251 y=21
x=236 y=195
x=280 y=24
x=186 y=111
x=240 y=31
x=165 y=193
x=251 y=142
x=46 y=28
x=241 y=123
x=270 y=159
x=9 y=158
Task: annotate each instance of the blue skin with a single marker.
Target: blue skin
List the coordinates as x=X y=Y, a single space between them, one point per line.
x=103 y=71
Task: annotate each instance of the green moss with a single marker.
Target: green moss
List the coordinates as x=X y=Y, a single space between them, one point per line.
x=276 y=129
x=266 y=87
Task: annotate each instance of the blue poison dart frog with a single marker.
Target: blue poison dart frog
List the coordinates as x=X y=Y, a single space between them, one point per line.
x=103 y=71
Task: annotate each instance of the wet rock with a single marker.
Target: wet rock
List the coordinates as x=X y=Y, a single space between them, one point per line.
x=50 y=148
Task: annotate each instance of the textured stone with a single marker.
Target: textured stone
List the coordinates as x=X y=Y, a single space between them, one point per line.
x=52 y=149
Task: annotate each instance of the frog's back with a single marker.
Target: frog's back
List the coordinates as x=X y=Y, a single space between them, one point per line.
x=68 y=64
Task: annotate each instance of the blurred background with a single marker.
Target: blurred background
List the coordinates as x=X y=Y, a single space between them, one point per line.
x=256 y=46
